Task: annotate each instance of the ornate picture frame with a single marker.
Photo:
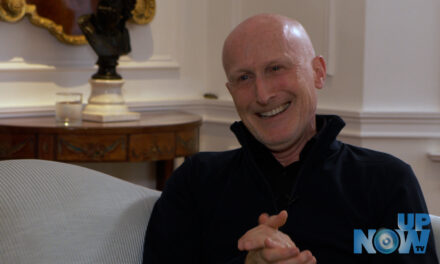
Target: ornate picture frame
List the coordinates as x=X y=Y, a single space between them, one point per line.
x=36 y=10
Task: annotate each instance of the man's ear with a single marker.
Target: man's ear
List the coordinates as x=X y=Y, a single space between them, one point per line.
x=228 y=85
x=320 y=70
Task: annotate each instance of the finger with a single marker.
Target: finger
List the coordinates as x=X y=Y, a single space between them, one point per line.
x=312 y=261
x=249 y=245
x=253 y=239
x=270 y=243
x=275 y=243
x=276 y=221
x=261 y=242
x=256 y=237
x=262 y=219
x=278 y=254
x=304 y=257
x=284 y=239
x=244 y=244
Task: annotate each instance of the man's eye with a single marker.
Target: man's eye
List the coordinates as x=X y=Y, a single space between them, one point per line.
x=243 y=77
x=276 y=68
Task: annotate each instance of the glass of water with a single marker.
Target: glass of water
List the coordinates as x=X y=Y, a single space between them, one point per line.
x=68 y=108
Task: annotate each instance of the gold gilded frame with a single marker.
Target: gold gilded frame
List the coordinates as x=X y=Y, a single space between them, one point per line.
x=15 y=10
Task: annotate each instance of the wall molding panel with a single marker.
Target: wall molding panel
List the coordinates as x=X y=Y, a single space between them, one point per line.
x=165 y=61
x=236 y=12
x=389 y=124
x=330 y=38
x=33 y=111
x=358 y=124
x=434 y=156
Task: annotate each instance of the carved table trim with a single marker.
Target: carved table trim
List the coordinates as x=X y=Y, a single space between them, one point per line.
x=157 y=136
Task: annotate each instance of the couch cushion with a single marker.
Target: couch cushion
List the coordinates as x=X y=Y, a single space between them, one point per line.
x=435 y=222
x=53 y=212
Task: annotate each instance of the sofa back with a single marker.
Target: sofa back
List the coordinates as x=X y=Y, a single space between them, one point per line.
x=53 y=212
x=435 y=222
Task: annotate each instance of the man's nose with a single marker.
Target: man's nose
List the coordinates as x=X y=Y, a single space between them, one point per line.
x=263 y=91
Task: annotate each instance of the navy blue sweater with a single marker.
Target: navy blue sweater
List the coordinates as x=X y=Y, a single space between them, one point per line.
x=214 y=198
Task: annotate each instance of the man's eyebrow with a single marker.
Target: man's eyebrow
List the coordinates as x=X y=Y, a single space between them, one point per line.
x=238 y=71
x=248 y=69
x=281 y=60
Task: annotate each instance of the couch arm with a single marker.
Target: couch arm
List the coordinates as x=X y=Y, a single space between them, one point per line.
x=52 y=212
x=435 y=222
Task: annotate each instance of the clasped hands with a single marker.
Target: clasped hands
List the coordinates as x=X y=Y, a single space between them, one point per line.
x=266 y=244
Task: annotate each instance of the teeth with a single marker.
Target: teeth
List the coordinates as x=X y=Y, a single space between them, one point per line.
x=275 y=111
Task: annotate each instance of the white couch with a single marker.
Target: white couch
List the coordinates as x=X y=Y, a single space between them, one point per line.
x=435 y=222
x=53 y=212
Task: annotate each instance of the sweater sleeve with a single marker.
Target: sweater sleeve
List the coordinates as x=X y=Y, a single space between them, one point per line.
x=174 y=232
x=402 y=194
x=172 y=235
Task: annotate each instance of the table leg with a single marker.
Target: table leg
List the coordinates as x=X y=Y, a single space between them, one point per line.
x=164 y=169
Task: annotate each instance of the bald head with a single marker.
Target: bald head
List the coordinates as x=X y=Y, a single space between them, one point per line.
x=279 y=30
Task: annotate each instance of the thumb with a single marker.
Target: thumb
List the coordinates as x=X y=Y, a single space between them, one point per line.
x=277 y=221
x=262 y=219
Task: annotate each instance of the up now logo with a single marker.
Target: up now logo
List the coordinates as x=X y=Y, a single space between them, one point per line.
x=411 y=233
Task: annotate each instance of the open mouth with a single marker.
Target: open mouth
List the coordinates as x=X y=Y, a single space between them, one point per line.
x=275 y=111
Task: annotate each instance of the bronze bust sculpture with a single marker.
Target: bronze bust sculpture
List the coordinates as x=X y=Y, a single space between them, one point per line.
x=106 y=32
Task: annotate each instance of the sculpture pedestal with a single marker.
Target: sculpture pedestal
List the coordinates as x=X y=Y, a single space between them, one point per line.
x=106 y=103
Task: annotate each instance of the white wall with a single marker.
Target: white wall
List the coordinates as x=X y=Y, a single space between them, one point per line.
x=335 y=27
x=402 y=56
x=167 y=60
x=383 y=60
x=401 y=79
x=346 y=40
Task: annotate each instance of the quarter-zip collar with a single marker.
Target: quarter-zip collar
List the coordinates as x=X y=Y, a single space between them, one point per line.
x=328 y=127
x=283 y=181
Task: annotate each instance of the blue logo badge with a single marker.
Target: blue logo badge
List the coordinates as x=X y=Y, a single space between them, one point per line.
x=387 y=241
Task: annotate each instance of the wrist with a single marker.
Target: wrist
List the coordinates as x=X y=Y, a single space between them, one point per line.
x=252 y=257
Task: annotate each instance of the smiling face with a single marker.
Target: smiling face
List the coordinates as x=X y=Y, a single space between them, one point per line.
x=272 y=77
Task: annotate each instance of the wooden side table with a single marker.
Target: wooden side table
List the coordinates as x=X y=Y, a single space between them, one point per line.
x=157 y=136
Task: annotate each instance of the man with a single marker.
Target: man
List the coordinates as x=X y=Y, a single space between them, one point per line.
x=292 y=193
